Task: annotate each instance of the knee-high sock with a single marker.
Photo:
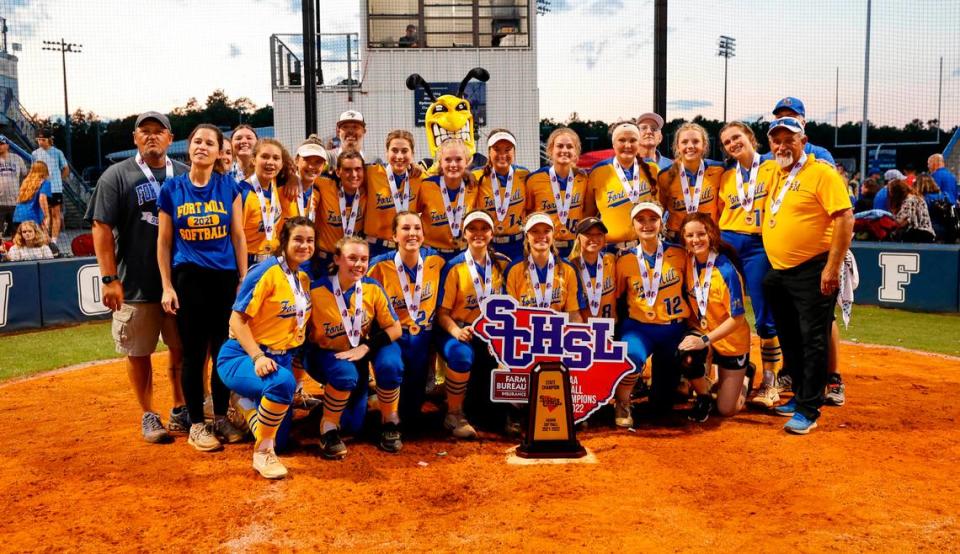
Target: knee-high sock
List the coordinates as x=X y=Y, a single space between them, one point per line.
x=456 y=389
x=771 y=357
x=389 y=400
x=334 y=401
x=249 y=410
x=269 y=417
x=626 y=387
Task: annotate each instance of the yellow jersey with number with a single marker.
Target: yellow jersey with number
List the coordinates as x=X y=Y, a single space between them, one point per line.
x=328 y=222
x=253 y=228
x=671 y=192
x=457 y=291
x=380 y=203
x=384 y=270
x=608 y=295
x=803 y=227
x=326 y=324
x=566 y=295
x=612 y=201
x=671 y=300
x=732 y=215
x=540 y=199
x=512 y=224
x=436 y=228
x=725 y=300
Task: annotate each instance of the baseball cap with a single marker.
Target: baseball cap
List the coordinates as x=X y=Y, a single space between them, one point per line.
x=497 y=137
x=311 y=149
x=590 y=222
x=792 y=124
x=646 y=206
x=535 y=219
x=3 y=139
x=653 y=116
x=791 y=103
x=475 y=215
x=44 y=133
x=351 y=115
x=157 y=116
x=894 y=174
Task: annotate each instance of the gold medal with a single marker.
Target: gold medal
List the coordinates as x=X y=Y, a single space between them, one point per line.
x=499 y=229
x=773 y=223
x=650 y=314
x=748 y=219
x=267 y=248
x=414 y=329
x=703 y=323
x=301 y=336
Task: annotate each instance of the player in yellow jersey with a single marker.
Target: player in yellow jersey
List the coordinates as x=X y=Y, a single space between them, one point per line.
x=310 y=161
x=466 y=280
x=654 y=307
x=269 y=320
x=618 y=184
x=410 y=275
x=741 y=204
x=262 y=199
x=502 y=192
x=692 y=182
x=243 y=141
x=446 y=199
x=392 y=187
x=717 y=318
x=597 y=269
x=560 y=189
x=340 y=208
x=542 y=278
x=353 y=325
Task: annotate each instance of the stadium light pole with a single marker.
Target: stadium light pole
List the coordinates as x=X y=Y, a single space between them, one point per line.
x=63 y=47
x=727 y=47
x=309 y=67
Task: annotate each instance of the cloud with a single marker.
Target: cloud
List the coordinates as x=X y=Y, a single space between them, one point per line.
x=588 y=52
x=234 y=50
x=606 y=7
x=686 y=105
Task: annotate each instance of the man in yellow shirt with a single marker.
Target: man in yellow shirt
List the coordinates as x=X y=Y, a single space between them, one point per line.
x=807 y=229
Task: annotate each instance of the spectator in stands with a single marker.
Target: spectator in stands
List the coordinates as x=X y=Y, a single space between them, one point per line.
x=59 y=172
x=944 y=179
x=29 y=243
x=867 y=194
x=123 y=212
x=12 y=172
x=651 y=135
x=793 y=107
x=928 y=188
x=911 y=213
x=882 y=200
x=409 y=40
x=34 y=197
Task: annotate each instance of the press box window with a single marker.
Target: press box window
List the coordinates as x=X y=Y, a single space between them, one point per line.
x=448 y=23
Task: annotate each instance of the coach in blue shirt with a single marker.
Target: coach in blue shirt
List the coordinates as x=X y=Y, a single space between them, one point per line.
x=793 y=107
x=944 y=179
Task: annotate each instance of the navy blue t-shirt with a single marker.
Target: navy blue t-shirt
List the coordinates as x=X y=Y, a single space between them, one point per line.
x=201 y=220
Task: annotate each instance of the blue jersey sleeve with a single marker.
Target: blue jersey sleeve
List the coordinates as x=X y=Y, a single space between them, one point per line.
x=251 y=292
x=46 y=189
x=732 y=281
x=165 y=198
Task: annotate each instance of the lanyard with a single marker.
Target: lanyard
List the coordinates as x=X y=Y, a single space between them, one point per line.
x=401 y=196
x=304 y=210
x=149 y=174
x=775 y=205
x=563 y=205
x=351 y=323
x=702 y=291
x=485 y=288
x=691 y=200
x=633 y=185
x=594 y=291
x=299 y=295
x=411 y=298
x=651 y=283
x=747 y=197
x=269 y=216
x=544 y=299
x=454 y=215
x=501 y=205
x=349 y=223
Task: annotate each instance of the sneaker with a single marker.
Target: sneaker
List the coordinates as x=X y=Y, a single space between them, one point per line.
x=179 y=420
x=331 y=445
x=153 y=430
x=788 y=409
x=621 y=414
x=266 y=463
x=202 y=438
x=226 y=431
x=836 y=391
x=767 y=396
x=390 y=438
x=799 y=424
x=784 y=382
x=701 y=409
x=303 y=400
x=458 y=425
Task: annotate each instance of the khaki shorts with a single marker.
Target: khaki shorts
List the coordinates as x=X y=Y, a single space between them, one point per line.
x=136 y=328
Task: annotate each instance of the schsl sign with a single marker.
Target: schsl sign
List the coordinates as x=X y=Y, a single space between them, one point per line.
x=521 y=337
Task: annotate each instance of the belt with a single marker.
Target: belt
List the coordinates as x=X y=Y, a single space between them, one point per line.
x=382 y=242
x=272 y=351
x=507 y=239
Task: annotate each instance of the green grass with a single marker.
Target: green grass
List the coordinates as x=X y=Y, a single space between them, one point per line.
x=32 y=352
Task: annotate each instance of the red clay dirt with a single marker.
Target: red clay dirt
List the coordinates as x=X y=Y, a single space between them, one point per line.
x=878 y=475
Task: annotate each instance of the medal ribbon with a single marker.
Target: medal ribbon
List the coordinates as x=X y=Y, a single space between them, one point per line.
x=299 y=295
x=563 y=205
x=485 y=288
x=595 y=290
x=633 y=185
x=544 y=299
x=401 y=196
x=352 y=324
x=149 y=174
x=349 y=223
x=501 y=205
x=411 y=298
x=454 y=215
x=304 y=210
x=702 y=291
x=270 y=216
x=651 y=283
x=692 y=202
x=747 y=197
x=778 y=201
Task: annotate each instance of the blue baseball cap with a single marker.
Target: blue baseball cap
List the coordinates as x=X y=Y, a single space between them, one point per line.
x=791 y=103
x=3 y=139
x=792 y=124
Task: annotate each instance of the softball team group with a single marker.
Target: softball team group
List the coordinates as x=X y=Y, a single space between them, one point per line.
x=363 y=274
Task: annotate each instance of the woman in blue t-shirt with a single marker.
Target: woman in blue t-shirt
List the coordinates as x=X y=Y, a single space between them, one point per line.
x=33 y=196
x=202 y=255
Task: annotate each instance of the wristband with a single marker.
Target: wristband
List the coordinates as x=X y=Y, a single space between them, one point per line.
x=377 y=340
x=705 y=339
x=257 y=356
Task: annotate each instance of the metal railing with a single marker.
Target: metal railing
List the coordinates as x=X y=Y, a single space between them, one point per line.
x=338 y=59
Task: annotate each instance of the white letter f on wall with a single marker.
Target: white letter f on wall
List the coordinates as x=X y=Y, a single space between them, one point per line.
x=896 y=270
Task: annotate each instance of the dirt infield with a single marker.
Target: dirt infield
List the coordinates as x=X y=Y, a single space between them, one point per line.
x=878 y=475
